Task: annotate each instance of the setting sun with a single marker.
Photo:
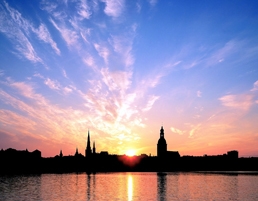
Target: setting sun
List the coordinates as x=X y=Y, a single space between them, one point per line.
x=130 y=152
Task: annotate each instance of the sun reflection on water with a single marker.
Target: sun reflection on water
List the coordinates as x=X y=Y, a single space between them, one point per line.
x=130 y=187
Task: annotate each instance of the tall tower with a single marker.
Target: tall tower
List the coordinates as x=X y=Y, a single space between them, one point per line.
x=88 y=148
x=76 y=152
x=61 y=154
x=162 y=144
x=94 y=148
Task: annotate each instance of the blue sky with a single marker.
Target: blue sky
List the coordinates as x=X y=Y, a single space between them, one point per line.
x=122 y=69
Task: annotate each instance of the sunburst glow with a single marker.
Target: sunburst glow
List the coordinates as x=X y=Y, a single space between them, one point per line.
x=130 y=152
x=72 y=66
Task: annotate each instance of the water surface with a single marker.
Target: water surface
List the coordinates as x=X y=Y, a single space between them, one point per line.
x=130 y=186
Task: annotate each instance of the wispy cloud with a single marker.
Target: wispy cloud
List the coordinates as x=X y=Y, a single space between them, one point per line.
x=117 y=80
x=21 y=123
x=43 y=113
x=111 y=102
x=64 y=73
x=255 y=87
x=44 y=35
x=234 y=51
x=69 y=36
x=52 y=84
x=123 y=45
x=26 y=48
x=199 y=94
x=89 y=60
x=84 y=34
x=55 y=85
x=102 y=51
x=153 y=2
x=18 y=30
x=138 y=7
x=49 y=6
x=151 y=102
x=114 y=8
x=241 y=102
x=194 y=129
x=14 y=33
x=221 y=54
x=177 y=131
x=84 y=9
x=114 y=106
x=153 y=79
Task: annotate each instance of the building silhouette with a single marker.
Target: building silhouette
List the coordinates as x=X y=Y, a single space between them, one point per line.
x=232 y=154
x=93 y=162
x=162 y=144
x=162 y=151
x=76 y=152
x=88 y=152
x=94 y=148
x=61 y=154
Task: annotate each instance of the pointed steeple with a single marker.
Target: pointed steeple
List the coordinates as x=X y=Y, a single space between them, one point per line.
x=88 y=148
x=88 y=142
x=61 y=154
x=94 y=148
x=162 y=132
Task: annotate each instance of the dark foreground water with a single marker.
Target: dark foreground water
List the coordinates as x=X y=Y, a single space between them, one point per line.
x=130 y=186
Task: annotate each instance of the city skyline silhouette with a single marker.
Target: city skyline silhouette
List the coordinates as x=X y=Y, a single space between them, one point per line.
x=128 y=100
x=94 y=162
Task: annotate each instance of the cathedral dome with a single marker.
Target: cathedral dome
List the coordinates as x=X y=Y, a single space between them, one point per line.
x=162 y=141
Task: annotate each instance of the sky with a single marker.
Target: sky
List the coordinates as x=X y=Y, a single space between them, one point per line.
x=121 y=69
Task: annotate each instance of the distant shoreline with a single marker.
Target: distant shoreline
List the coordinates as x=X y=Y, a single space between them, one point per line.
x=15 y=162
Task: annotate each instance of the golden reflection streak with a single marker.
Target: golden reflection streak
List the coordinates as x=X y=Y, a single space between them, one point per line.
x=130 y=187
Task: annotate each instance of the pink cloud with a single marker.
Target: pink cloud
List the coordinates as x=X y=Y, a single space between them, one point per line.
x=177 y=131
x=199 y=94
x=255 y=87
x=241 y=102
x=114 y=8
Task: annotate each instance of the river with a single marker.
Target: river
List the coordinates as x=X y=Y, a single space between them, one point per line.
x=131 y=186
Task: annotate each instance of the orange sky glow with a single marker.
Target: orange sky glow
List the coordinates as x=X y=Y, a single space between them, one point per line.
x=122 y=69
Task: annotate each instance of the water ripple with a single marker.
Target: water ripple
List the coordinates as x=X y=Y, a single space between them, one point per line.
x=130 y=186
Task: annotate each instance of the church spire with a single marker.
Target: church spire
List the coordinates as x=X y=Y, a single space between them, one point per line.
x=88 y=142
x=162 y=144
x=94 y=148
x=162 y=132
x=88 y=148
